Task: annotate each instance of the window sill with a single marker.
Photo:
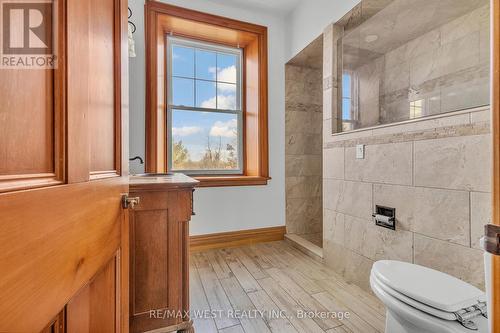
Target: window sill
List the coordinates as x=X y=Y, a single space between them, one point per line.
x=221 y=181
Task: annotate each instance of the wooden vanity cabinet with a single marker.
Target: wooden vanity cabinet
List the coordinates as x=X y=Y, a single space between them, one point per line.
x=159 y=254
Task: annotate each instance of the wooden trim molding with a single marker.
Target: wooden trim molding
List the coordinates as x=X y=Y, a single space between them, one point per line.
x=236 y=238
x=222 y=181
x=495 y=93
x=162 y=20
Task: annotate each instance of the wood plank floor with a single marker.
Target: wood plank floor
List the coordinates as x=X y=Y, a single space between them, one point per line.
x=273 y=287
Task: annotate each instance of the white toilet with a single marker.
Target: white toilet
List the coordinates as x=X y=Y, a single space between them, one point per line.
x=420 y=299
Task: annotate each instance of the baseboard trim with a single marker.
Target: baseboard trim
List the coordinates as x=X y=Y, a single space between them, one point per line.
x=236 y=238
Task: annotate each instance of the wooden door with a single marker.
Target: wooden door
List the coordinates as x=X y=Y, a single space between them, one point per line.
x=63 y=170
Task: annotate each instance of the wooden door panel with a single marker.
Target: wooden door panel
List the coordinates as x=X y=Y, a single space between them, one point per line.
x=95 y=307
x=52 y=248
x=30 y=137
x=102 y=109
x=77 y=121
x=27 y=142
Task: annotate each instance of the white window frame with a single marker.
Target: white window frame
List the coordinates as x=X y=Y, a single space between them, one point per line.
x=189 y=43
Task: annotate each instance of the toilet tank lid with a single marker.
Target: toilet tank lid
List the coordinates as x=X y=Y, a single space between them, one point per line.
x=428 y=286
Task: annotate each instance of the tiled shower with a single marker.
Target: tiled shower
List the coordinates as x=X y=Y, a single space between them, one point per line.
x=303 y=152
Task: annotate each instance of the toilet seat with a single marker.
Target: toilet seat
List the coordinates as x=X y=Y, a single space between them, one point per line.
x=421 y=306
x=432 y=292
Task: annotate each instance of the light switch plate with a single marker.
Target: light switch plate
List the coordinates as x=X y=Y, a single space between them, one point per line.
x=360 y=152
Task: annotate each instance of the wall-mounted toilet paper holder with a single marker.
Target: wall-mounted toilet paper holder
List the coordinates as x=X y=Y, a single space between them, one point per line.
x=385 y=217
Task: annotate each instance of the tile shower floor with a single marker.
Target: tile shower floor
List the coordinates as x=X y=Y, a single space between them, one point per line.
x=228 y=286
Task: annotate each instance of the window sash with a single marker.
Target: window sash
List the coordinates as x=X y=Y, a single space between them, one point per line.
x=170 y=106
x=211 y=48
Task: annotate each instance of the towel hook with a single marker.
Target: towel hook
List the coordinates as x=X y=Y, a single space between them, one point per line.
x=134 y=28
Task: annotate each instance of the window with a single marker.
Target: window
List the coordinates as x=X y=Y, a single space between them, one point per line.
x=349 y=101
x=205 y=116
x=346 y=96
x=416 y=108
x=206 y=97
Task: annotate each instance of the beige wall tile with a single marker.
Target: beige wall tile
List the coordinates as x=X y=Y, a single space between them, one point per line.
x=327 y=131
x=386 y=163
x=335 y=255
x=355 y=234
x=377 y=243
x=458 y=54
x=466 y=25
x=327 y=50
x=298 y=209
x=370 y=77
x=333 y=163
x=333 y=226
x=303 y=85
x=352 y=266
x=422 y=44
x=397 y=77
x=303 y=165
x=383 y=243
x=437 y=213
x=303 y=187
x=461 y=163
x=484 y=46
x=369 y=112
x=303 y=122
x=328 y=103
x=457 y=260
x=423 y=67
x=452 y=57
x=400 y=197
x=480 y=215
x=304 y=226
x=303 y=144
x=351 y=198
x=480 y=116
x=460 y=95
x=442 y=214
x=358 y=270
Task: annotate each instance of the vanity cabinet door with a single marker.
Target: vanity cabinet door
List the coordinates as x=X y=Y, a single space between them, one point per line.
x=159 y=259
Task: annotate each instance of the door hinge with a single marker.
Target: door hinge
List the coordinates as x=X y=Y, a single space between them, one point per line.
x=128 y=202
x=492 y=239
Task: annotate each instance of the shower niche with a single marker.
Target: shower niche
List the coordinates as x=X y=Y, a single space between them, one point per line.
x=413 y=59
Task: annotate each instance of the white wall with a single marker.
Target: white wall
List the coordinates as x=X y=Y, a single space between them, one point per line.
x=308 y=20
x=227 y=208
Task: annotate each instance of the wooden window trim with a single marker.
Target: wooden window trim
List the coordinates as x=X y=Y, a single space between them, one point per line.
x=162 y=19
